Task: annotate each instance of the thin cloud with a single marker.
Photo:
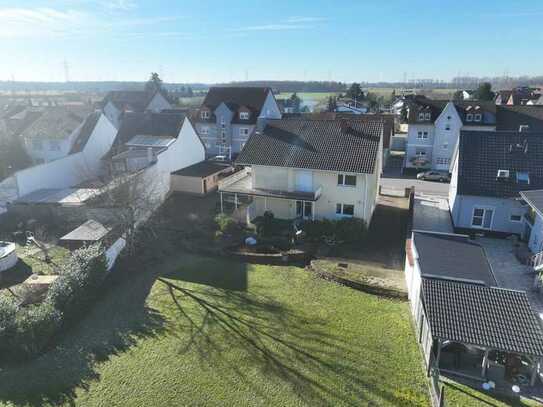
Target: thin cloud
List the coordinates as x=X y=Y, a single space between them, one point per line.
x=289 y=24
x=120 y=5
x=294 y=20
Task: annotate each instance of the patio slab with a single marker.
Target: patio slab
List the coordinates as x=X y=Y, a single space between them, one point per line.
x=509 y=272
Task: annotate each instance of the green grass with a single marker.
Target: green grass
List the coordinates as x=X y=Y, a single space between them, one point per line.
x=317 y=96
x=458 y=395
x=198 y=331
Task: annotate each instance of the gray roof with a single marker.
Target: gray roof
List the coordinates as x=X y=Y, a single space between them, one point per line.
x=202 y=169
x=432 y=214
x=510 y=118
x=328 y=145
x=67 y=196
x=534 y=199
x=491 y=317
x=130 y=100
x=85 y=132
x=57 y=122
x=482 y=153
x=452 y=257
x=91 y=231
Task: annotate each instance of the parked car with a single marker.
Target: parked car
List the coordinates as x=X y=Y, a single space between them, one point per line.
x=440 y=176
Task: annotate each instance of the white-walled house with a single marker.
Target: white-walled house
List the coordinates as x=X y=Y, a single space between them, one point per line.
x=229 y=115
x=488 y=172
x=312 y=169
x=155 y=145
x=83 y=162
x=53 y=131
x=117 y=103
x=434 y=127
x=533 y=221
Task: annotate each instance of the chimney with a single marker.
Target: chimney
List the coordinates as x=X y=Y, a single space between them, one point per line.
x=150 y=155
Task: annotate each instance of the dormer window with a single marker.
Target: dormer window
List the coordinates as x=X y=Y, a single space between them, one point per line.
x=523 y=177
x=427 y=116
x=503 y=174
x=421 y=116
x=477 y=117
x=204 y=114
x=244 y=115
x=469 y=117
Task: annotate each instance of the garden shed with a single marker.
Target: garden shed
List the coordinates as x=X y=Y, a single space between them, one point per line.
x=88 y=233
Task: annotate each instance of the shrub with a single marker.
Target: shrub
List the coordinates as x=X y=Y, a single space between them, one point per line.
x=226 y=224
x=345 y=230
x=266 y=225
x=26 y=330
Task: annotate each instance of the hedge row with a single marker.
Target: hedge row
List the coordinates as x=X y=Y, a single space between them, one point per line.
x=26 y=330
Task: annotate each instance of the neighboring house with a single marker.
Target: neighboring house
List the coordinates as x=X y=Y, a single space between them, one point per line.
x=537 y=102
x=521 y=95
x=488 y=172
x=93 y=139
x=310 y=169
x=533 y=222
x=52 y=134
x=503 y=97
x=154 y=145
x=351 y=106
x=117 y=103
x=434 y=127
x=468 y=94
x=519 y=118
x=229 y=115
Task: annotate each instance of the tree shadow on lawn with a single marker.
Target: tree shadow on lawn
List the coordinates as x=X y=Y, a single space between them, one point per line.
x=118 y=319
x=257 y=331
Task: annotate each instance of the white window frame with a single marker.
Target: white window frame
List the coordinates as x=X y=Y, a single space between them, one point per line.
x=514 y=220
x=421 y=116
x=341 y=180
x=428 y=116
x=469 y=117
x=477 y=117
x=341 y=213
x=242 y=130
x=484 y=209
x=204 y=130
x=204 y=114
x=420 y=153
x=244 y=115
x=422 y=135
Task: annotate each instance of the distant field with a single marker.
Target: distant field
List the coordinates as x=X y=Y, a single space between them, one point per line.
x=316 y=96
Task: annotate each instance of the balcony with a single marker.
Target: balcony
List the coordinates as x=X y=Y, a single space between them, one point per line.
x=242 y=183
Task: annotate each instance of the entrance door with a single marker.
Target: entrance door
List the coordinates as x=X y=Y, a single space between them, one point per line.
x=304 y=181
x=205 y=186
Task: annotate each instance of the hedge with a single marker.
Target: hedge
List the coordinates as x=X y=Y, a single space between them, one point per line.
x=26 y=330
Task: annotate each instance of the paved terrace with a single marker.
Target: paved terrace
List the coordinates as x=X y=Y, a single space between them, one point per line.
x=509 y=272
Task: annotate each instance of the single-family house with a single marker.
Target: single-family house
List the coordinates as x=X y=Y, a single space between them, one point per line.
x=488 y=172
x=533 y=224
x=117 y=103
x=520 y=95
x=52 y=131
x=434 y=127
x=229 y=115
x=310 y=169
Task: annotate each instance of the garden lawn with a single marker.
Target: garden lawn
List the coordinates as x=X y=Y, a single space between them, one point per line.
x=459 y=395
x=197 y=331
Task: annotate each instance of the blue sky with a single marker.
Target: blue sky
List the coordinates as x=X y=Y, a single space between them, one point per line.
x=215 y=41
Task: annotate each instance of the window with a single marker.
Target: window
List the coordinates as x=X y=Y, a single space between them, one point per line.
x=448 y=127
x=244 y=132
x=445 y=146
x=37 y=145
x=244 y=115
x=477 y=117
x=204 y=114
x=469 y=117
x=421 y=116
x=423 y=135
x=304 y=209
x=204 y=130
x=427 y=116
x=223 y=122
x=523 y=178
x=344 y=209
x=515 y=218
x=448 y=117
x=442 y=161
x=482 y=218
x=346 y=180
x=420 y=153
x=54 y=145
x=503 y=174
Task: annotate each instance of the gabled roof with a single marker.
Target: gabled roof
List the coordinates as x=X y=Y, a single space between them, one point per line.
x=452 y=257
x=424 y=105
x=57 y=122
x=253 y=98
x=85 y=132
x=486 y=109
x=130 y=100
x=328 y=145
x=510 y=118
x=202 y=169
x=490 y=317
x=503 y=96
x=149 y=124
x=482 y=153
